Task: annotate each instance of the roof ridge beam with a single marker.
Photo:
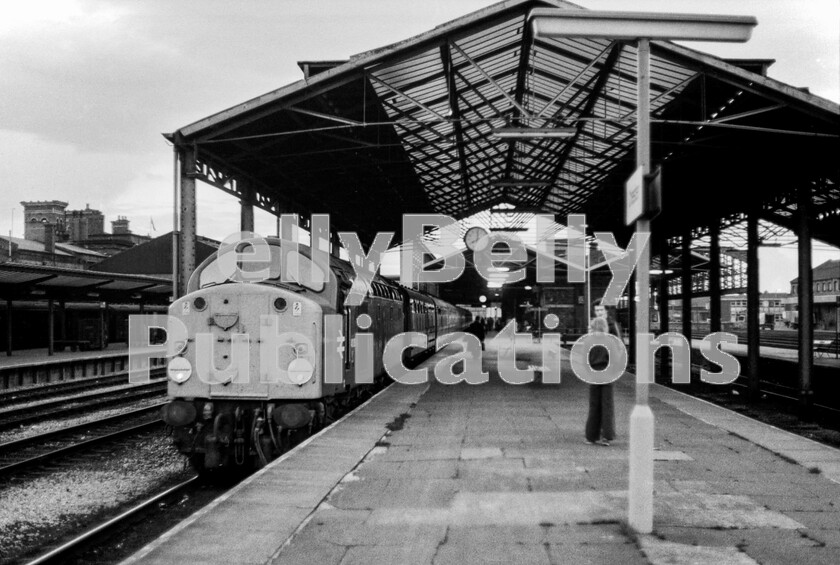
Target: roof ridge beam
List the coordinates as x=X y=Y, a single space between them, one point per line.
x=575 y=79
x=591 y=100
x=524 y=63
x=455 y=110
x=483 y=73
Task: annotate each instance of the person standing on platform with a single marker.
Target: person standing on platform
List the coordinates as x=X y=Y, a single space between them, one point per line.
x=477 y=329
x=601 y=311
x=600 y=422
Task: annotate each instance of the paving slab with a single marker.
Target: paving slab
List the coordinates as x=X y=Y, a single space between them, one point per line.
x=660 y=551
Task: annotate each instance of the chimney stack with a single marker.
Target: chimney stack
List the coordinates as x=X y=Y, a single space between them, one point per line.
x=49 y=238
x=120 y=226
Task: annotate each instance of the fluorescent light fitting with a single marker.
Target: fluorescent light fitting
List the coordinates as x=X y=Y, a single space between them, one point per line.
x=533 y=133
x=518 y=210
x=520 y=183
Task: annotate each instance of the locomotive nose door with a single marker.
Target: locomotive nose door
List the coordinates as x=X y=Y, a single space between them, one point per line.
x=234 y=324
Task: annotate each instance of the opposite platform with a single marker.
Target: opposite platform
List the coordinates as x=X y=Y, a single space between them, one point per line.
x=496 y=473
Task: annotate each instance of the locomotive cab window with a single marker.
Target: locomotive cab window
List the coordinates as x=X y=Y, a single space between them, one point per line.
x=290 y=267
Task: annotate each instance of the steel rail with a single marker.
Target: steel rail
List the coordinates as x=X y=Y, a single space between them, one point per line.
x=52 y=409
x=45 y=390
x=62 y=553
x=28 y=461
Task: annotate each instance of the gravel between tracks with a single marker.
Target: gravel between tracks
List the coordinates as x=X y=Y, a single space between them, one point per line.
x=50 y=425
x=38 y=510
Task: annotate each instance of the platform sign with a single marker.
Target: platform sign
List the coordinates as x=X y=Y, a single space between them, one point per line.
x=643 y=195
x=634 y=202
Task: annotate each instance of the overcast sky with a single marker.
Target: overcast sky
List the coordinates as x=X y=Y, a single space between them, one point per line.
x=88 y=86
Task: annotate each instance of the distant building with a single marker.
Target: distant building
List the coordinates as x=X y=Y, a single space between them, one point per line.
x=81 y=224
x=826 y=280
x=115 y=242
x=28 y=252
x=50 y=223
x=37 y=215
x=733 y=308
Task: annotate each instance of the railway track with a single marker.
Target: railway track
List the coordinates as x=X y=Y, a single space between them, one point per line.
x=783 y=339
x=83 y=403
x=70 y=550
x=51 y=390
x=118 y=537
x=786 y=394
x=28 y=452
x=779 y=406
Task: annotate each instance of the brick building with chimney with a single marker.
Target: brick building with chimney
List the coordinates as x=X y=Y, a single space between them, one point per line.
x=56 y=236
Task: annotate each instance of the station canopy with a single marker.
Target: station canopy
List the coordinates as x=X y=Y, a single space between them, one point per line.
x=409 y=128
x=40 y=282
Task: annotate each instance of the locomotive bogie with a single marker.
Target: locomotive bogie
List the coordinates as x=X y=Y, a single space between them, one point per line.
x=223 y=434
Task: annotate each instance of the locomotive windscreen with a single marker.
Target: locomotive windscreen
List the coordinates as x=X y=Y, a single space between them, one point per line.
x=266 y=262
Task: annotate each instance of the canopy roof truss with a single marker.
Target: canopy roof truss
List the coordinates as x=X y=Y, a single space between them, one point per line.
x=408 y=128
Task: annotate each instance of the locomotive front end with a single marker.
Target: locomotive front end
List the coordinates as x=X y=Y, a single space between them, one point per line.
x=252 y=370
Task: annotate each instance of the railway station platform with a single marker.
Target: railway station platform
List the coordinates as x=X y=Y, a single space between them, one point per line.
x=495 y=473
x=792 y=355
x=34 y=366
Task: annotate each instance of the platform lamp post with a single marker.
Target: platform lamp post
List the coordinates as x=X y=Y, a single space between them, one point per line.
x=640 y=27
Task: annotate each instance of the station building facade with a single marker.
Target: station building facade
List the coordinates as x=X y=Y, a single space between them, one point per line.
x=826 y=280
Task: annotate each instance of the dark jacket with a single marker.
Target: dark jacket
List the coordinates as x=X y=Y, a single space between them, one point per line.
x=599 y=358
x=477 y=329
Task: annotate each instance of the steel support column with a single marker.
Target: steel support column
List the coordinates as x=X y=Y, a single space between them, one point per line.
x=664 y=299
x=176 y=177
x=642 y=421
x=714 y=278
x=753 y=336
x=62 y=316
x=631 y=319
x=50 y=326
x=685 y=279
x=9 y=328
x=806 y=301
x=664 y=325
x=188 y=219
x=103 y=320
x=246 y=209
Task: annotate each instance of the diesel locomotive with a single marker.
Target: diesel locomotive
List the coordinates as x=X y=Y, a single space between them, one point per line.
x=239 y=404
